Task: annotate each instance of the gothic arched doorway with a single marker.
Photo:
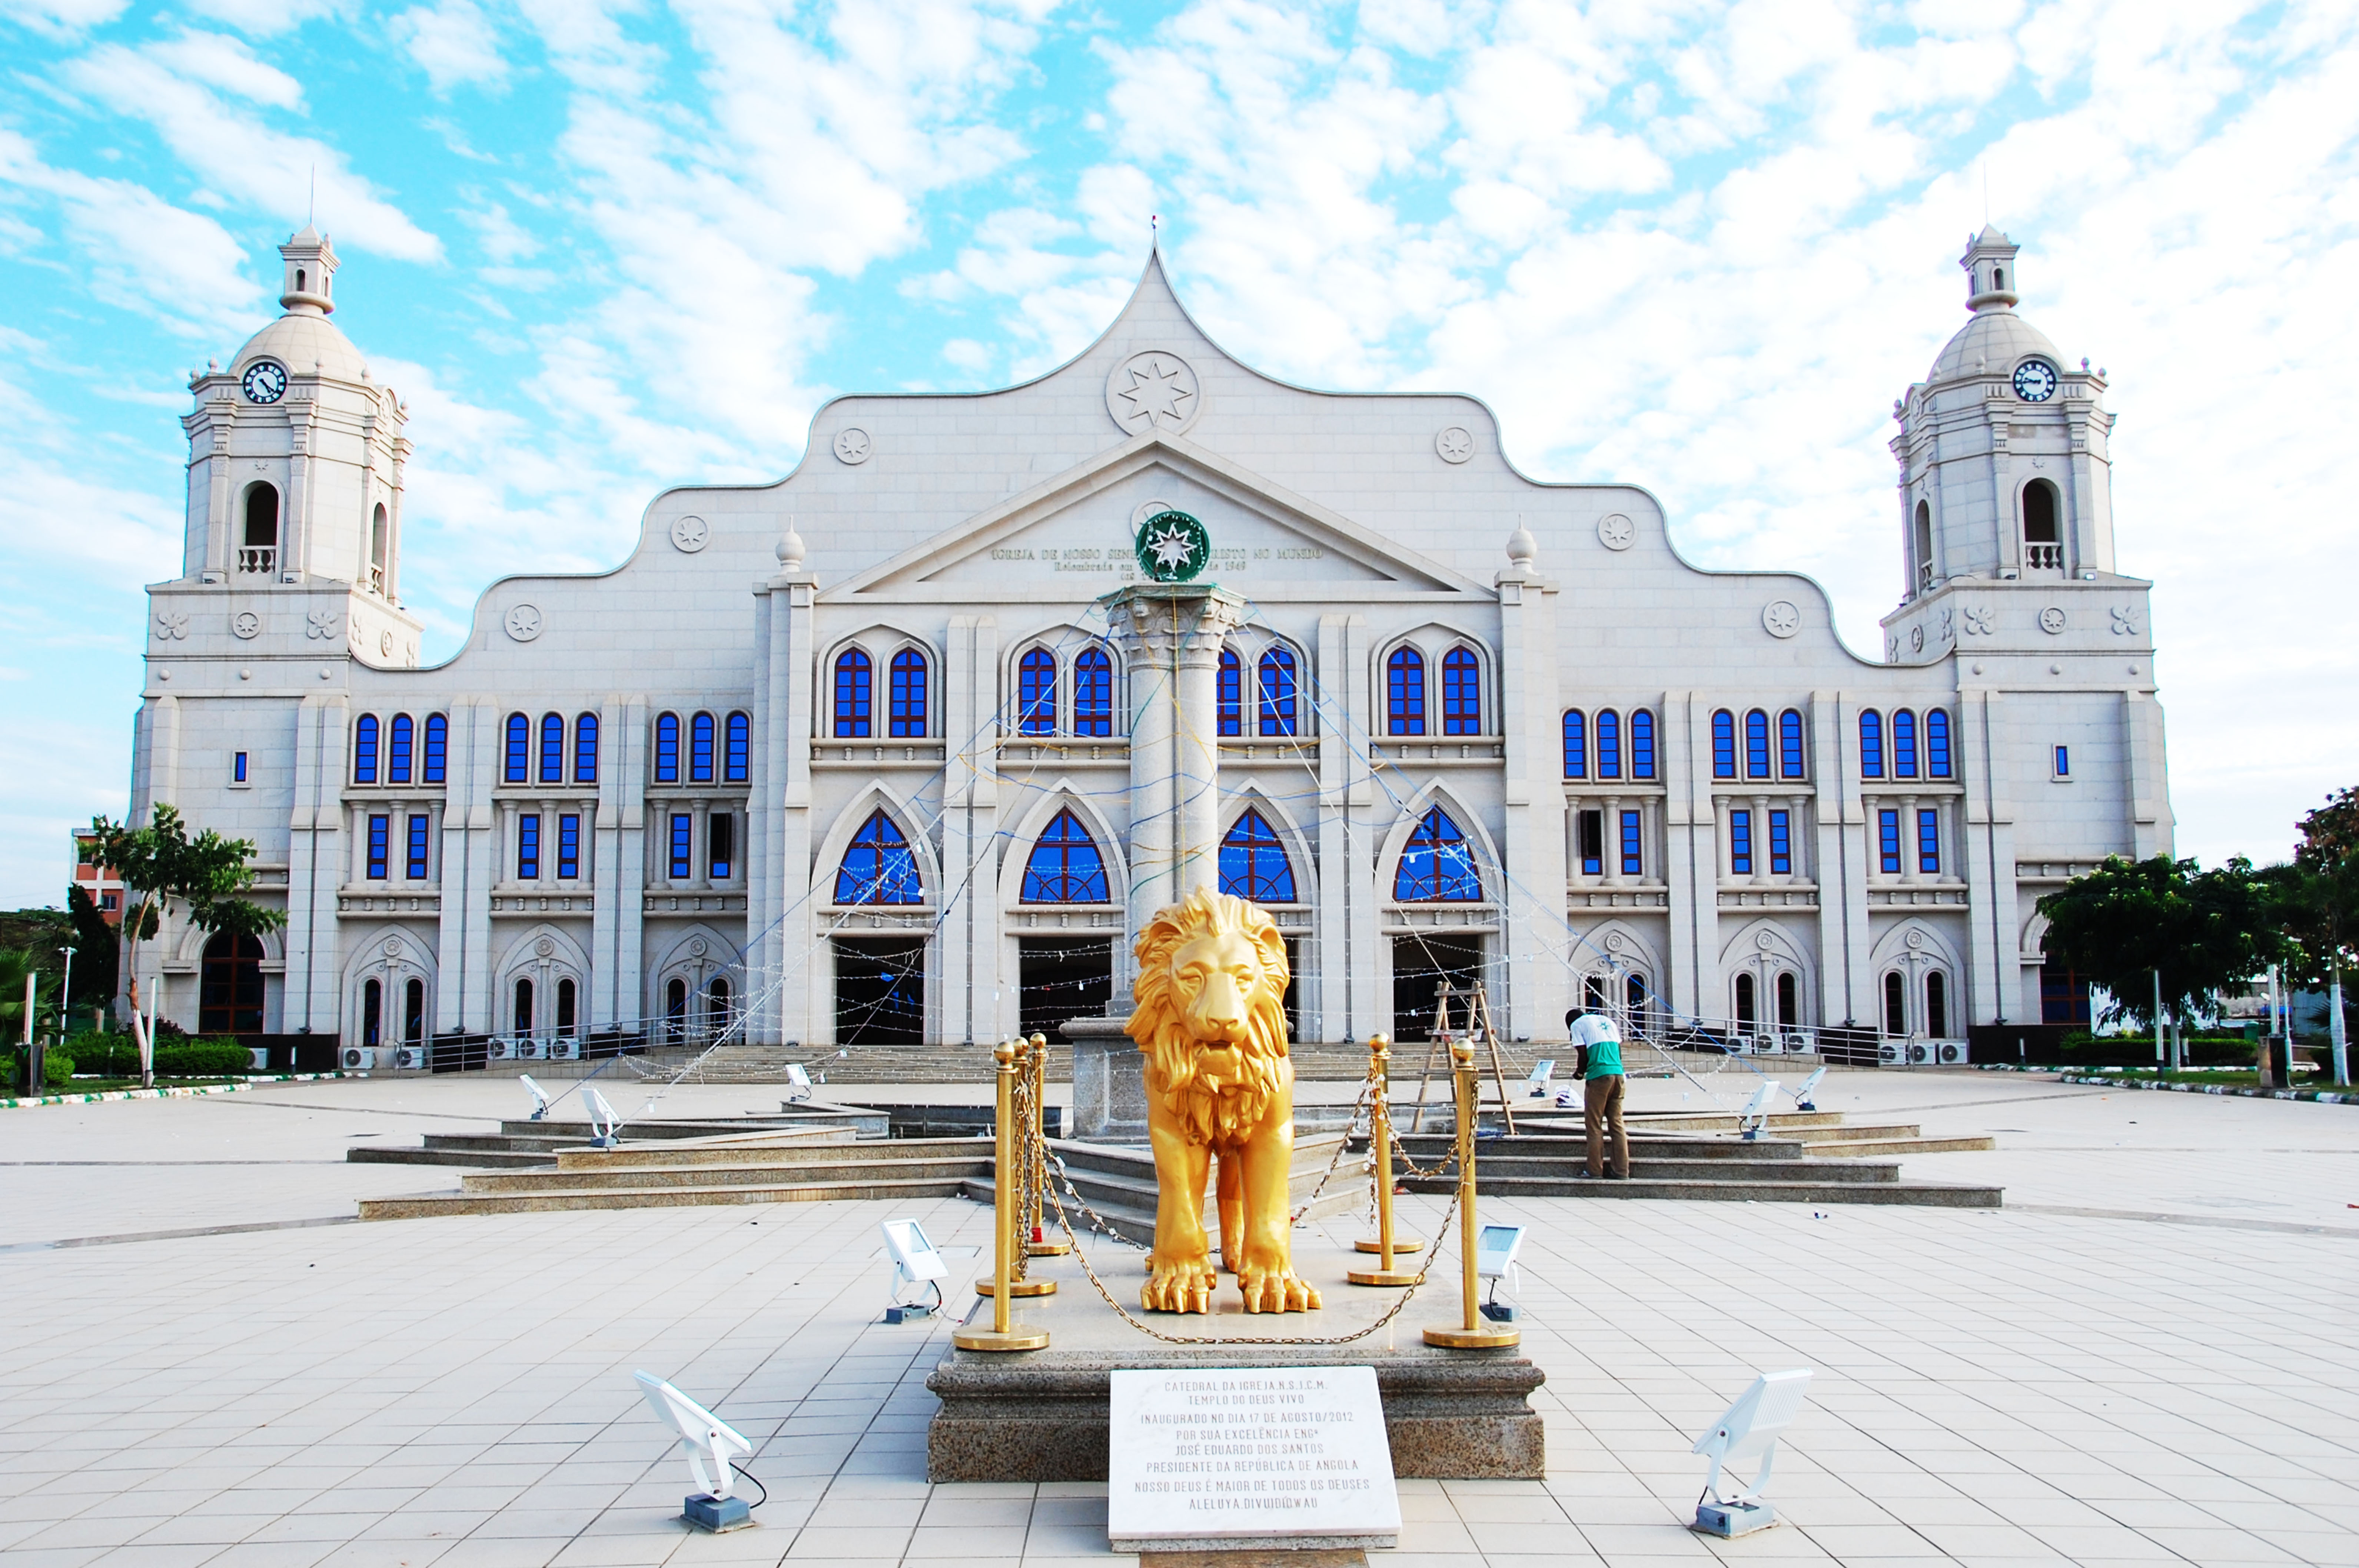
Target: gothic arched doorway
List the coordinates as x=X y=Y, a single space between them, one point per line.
x=229 y=993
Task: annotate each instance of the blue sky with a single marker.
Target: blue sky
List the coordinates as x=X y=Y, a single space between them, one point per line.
x=1696 y=247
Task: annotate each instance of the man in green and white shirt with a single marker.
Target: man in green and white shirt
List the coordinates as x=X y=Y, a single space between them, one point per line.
x=1601 y=1111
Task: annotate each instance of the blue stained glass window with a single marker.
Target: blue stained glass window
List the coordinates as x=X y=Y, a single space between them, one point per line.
x=878 y=866
x=1254 y=863
x=908 y=719
x=1277 y=692
x=1756 y=745
x=1405 y=692
x=683 y=846
x=1887 y=835
x=737 y=764
x=1642 y=743
x=1461 y=692
x=1576 y=744
x=1035 y=693
x=1870 y=744
x=569 y=845
x=438 y=746
x=1632 y=861
x=1781 y=843
x=379 y=831
x=1092 y=693
x=552 y=749
x=1904 y=744
x=237 y=769
x=667 y=749
x=1437 y=865
x=1609 y=744
x=518 y=769
x=1065 y=866
x=700 y=748
x=1936 y=743
x=1740 y=843
x=364 y=748
x=418 y=825
x=400 y=744
x=1723 y=744
x=1790 y=744
x=528 y=846
x=585 y=749
x=1229 y=694
x=853 y=676
x=1929 y=842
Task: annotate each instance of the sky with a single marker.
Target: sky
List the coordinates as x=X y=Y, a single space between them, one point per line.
x=603 y=249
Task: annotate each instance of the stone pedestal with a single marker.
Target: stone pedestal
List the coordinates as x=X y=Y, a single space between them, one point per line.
x=1109 y=1082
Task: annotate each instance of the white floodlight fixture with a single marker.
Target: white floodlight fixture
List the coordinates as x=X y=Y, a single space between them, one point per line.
x=916 y=1263
x=1755 y=1117
x=1495 y=1246
x=1542 y=1071
x=798 y=1083
x=1806 y=1088
x=709 y=1442
x=540 y=1096
x=1750 y=1429
x=605 y=1124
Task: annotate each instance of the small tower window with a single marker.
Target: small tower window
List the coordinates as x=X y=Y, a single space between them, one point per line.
x=1998 y=277
x=258 y=552
x=1924 y=547
x=378 y=528
x=299 y=280
x=2043 y=541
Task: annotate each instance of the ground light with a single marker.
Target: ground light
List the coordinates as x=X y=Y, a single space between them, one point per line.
x=1806 y=1088
x=916 y=1263
x=605 y=1125
x=1495 y=1246
x=710 y=1443
x=540 y=1096
x=1751 y=1428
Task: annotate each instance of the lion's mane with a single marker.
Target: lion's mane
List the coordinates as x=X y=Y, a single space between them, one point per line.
x=1160 y=1028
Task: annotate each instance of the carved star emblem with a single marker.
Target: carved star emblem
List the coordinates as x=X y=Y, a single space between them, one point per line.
x=1157 y=390
x=1169 y=547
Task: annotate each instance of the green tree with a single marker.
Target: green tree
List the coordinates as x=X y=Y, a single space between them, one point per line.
x=2134 y=928
x=15 y=965
x=97 y=948
x=2321 y=898
x=166 y=873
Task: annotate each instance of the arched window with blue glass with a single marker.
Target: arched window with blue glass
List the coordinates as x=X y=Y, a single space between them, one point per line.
x=585 y=749
x=854 y=683
x=1229 y=694
x=401 y=742
x=1904 y=744
x=1756 y=745
x=1405 y=693
x=552 y=747
x=519 y=768
x=1278 y=691
x=1936 y=743
x=1254 y=863
x=1609 y=744
x=1642 y=743
x=1870 y=744
x=908 y=718
x=700 y=748
x=364 y=748
x=1461 y=692
x=1065 y=866
x=667 y=748
x=878 y=865
x=1723 y=744
x=1035 y=693
x=1790 y=744
x=1094 y=693
x=1576 y=744
x=737 y=766
x=1438 y=864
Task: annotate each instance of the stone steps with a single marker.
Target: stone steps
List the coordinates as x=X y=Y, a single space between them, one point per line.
x=428 y=1206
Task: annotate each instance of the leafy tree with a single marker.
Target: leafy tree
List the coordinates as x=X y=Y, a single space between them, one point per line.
x=15 y=963
x=2322 y=899
x=96 y=949
x=165 y=872
x=2126 y=925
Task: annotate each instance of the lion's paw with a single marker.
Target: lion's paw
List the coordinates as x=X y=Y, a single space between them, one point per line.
x=1178 y=1287
x=1276 y=1290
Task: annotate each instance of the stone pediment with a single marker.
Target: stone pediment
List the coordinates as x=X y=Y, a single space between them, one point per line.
x=1070 y=537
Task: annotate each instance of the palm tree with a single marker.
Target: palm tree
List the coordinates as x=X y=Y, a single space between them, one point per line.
x=15 y=963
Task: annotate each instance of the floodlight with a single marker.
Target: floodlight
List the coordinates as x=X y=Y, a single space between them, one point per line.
x=1542 y=1071
x=604 y=1123
x=540 y=1096
x=916 y=1261
x=1495 y=1246
x=1757 y=1109
x=709 y=1442
x=1750 y=1427
x=797 y=1082
x=1807 y=1086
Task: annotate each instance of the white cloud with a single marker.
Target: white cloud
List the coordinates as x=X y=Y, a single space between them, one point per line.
x=454 y=43
x=266 y=18
x=63 y=18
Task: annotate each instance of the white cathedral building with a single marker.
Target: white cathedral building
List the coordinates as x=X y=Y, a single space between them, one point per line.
x=900 y=748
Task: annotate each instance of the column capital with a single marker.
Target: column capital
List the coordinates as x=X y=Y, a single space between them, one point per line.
x=1174 y=622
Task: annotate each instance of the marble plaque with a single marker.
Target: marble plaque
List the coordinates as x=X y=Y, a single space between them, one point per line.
x=1211 y=1456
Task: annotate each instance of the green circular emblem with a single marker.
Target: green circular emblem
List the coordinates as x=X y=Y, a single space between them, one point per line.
x=1173 y=546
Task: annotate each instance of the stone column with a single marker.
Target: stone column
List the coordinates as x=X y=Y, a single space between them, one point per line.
x=1170 y=635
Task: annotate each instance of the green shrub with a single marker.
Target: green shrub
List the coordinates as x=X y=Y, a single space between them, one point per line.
x=56 y=1071
x=105 y=1056
x=203 y=1059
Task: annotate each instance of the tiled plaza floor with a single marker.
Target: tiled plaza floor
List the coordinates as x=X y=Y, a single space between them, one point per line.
x=1994 y=1388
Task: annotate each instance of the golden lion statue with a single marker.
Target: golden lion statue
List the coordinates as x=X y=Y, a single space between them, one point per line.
x=1212 y=1023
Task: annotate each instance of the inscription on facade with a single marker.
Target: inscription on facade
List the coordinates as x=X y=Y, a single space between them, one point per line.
x=1118 y=562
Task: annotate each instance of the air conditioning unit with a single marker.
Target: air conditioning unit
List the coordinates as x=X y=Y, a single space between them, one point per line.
x=1801 y=1044
x=499 y=1050
x=359 y=1058
x=565 y=1049
x=410 y=1059
x=528 y=1049
x=1921 y=1052
x=261 y=1057
x=1887 y=1053
x=1949 y=1053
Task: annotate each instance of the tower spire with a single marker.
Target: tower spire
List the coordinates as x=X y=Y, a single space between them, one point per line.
x=310 y=263
x=1989 y=264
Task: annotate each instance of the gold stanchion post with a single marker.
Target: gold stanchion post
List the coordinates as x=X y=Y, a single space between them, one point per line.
x=1023 y=1189
x=1038 y=1242
x=1474 y=1334
x=1387 y=1239
x=1003 y=1334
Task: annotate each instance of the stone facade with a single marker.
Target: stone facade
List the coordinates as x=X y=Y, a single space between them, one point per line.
x=921 y=621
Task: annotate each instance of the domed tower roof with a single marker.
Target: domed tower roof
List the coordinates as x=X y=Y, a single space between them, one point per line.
x=1996 y=338
x=303 y=340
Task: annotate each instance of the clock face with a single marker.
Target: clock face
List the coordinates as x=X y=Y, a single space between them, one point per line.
x=264 y=381
x=2035 y=380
